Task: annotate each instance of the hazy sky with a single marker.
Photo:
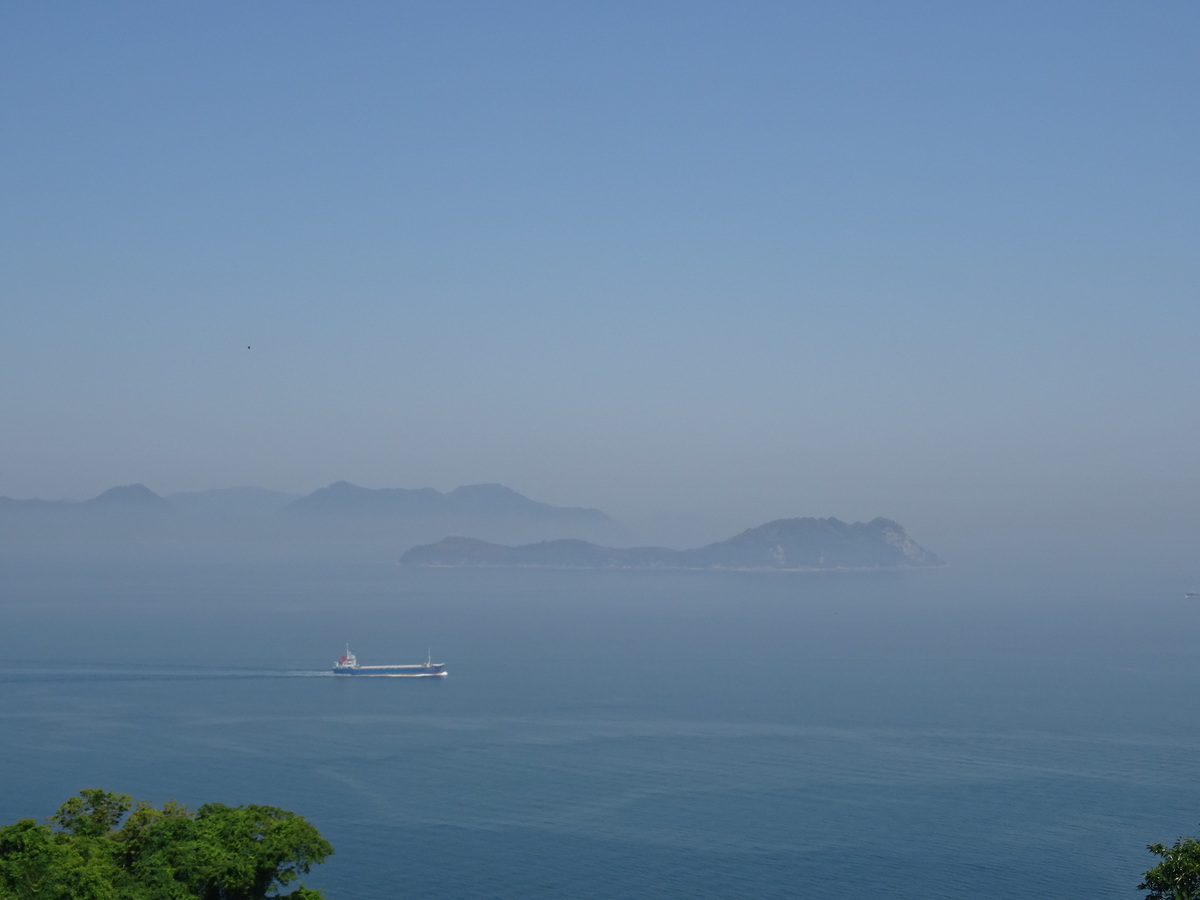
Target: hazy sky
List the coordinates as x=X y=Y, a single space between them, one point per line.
x=935 y=261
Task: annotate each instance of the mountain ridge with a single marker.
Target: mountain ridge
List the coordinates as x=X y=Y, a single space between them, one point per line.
x=495 y=526
x=340 y=522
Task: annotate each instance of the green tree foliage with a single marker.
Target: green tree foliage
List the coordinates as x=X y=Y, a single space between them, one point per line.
x=1177 y=877
x=91 y=850
x=93 y=813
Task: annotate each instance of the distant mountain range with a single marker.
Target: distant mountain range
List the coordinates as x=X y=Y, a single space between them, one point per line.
x=348 y=523
x=339 y=499
x=128 y=498
x=791 y=544
x=342 y=521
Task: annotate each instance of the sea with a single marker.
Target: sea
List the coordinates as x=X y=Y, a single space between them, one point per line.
x=971 y=731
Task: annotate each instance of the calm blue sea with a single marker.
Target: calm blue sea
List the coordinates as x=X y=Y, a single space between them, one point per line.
x=943 y=734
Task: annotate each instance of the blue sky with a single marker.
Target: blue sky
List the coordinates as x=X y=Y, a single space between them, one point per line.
x=935 y=261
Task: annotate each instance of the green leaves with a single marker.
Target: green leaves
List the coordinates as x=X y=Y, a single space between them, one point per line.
x=167 y=853
x=1177 y=877
x=92 y=813
x=262 y=845
x=37 y=863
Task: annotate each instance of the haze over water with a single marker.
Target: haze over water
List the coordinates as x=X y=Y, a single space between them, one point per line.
x=608 y=734
x=698 y=265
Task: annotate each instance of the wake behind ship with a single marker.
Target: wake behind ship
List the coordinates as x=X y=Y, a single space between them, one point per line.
x=348 y=665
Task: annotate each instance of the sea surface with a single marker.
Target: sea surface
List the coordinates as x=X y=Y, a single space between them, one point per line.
x=936 y=734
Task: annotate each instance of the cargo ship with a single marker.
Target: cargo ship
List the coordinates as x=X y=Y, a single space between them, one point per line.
x=348 y=665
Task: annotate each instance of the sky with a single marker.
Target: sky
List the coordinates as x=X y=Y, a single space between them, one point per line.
x=935 y=261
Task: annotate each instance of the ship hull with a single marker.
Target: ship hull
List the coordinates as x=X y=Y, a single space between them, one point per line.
x=391 y=671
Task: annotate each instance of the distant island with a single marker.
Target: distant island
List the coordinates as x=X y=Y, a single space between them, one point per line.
x=786 y=545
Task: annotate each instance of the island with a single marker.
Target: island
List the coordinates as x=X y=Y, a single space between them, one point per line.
x=807 y=545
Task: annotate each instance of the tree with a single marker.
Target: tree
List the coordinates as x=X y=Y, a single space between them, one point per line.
x=93 y=813
x=36 y=865
x=231 y=853
x=1177 y=877
x=167 y=853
